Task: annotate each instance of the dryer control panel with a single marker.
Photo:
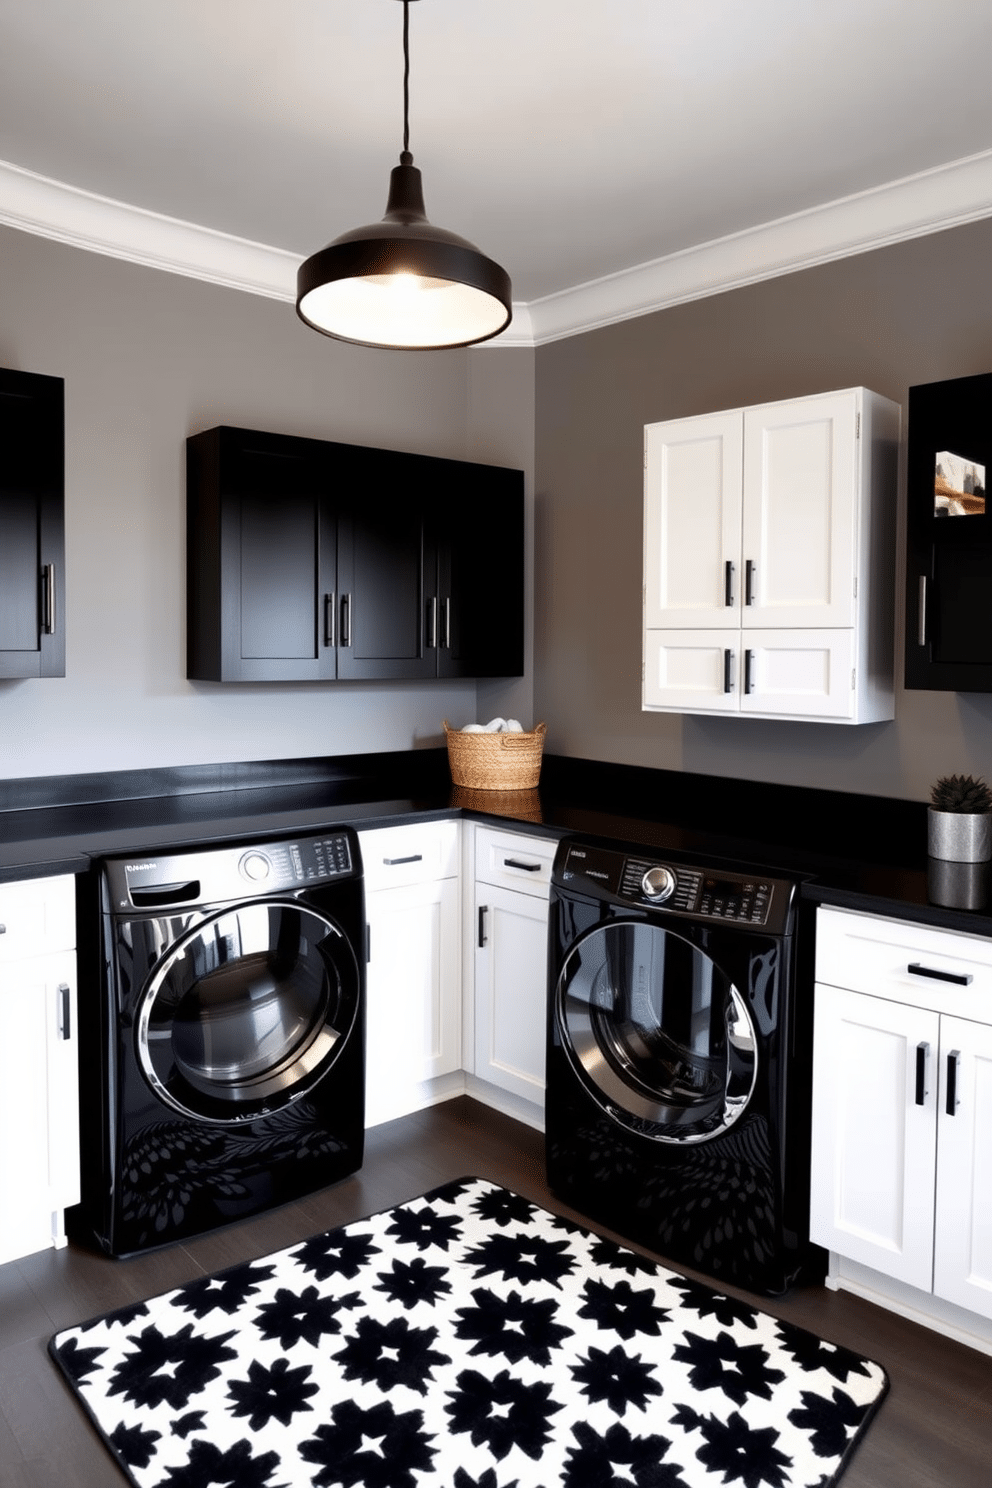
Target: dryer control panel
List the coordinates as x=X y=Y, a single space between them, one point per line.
x=676 y=888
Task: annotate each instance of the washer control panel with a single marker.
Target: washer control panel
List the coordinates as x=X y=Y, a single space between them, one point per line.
x=713 y=894
x=210 y=875
x=722 y=896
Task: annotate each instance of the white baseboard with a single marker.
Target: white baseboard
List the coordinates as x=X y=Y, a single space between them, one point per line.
x=919 y=1307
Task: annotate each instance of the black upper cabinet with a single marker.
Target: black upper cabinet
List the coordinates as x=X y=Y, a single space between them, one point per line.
x=311 y=560
x=32 y=534
x=949 y=536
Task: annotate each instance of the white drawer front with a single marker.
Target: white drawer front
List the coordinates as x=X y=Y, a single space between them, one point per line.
x=514 y=860
x=38 y=915
x=945 y=970
x=416 y=852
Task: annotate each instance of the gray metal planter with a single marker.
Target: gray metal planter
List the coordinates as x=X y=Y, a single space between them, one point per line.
x=959 y=836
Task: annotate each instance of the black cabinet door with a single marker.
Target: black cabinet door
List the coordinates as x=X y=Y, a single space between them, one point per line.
x=385 y=565
x=480 y=514
x=32 y=541
x=261 y=548
x=949 y=536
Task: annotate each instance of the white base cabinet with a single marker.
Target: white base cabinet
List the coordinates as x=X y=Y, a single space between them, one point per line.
x=902 y=1104
x=39 y=1079
x=510 y=926
x=769 y=560
x=413 y=904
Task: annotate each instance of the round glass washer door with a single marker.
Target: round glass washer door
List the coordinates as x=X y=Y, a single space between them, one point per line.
x=248 y=1010
x=657 y=1033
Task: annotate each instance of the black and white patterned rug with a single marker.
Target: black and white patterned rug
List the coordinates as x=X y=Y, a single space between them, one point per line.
x=466 y=1339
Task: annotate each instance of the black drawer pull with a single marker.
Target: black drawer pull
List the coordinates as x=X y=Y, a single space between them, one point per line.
x=516 y=863
x=482 y=926
x=395 y=862
x=922 y=1056
x=65 y=1004
x=728 y=669
x=749 y=582
x=959 y=978
x=728 y=584
x=952 y=1081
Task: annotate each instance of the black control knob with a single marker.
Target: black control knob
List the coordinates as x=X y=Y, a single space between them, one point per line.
x=658 y=884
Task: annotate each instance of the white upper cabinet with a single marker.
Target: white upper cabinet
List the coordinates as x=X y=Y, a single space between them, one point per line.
x=769 y=560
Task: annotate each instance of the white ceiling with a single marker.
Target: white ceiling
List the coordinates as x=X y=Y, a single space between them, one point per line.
x=572 y=140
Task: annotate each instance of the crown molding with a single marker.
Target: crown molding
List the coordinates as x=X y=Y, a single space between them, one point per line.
x=51 y=209
x=931 y=201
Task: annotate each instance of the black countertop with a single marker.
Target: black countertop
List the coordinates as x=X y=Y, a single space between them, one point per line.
x=857 y=852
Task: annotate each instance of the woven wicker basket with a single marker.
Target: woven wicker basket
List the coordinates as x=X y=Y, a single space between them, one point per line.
x=523 y=805
x=495 y=761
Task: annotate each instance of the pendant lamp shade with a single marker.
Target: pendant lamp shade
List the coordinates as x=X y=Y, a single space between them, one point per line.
x=402 y=282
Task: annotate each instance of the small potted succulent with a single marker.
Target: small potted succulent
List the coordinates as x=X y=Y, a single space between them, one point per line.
x=959 y=820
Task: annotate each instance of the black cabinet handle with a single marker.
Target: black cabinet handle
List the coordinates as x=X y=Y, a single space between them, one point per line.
x=749 y=582
x=728 y=583
x=921 y=619
x=445 y=641
x=65 y=1005
x=922 y=1056
x=482 y=925
x=413 y=858
x=346 y=619
x=516 y=863
x=952 y=1081
x=329 y=619
x=432 y=623
x=48 y=598
x=748 y=670
x=728 y=669
x=959 y=978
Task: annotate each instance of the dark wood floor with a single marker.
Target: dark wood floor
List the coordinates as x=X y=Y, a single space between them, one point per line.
x=933 y=1431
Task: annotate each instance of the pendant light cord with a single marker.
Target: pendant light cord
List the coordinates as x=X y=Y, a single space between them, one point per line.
x=406 y=158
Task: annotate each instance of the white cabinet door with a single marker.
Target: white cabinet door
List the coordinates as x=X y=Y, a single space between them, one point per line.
x=511 y=961
x=692 y=522
x=797 y=673
x=413 y=1007
x=413 y=977
x=692 y=671
x=874 y=1132
x=799 y=512
x=39 y=1115
x=963 y=1234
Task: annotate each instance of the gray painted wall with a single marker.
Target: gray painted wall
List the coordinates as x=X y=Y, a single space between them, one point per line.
x=916 y=312
x=149 y=357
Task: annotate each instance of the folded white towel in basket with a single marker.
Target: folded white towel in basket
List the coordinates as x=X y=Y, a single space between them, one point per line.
x=495 y=726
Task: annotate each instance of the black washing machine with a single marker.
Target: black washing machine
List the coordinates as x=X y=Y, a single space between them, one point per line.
x=222 y=1024
x=679 y=1061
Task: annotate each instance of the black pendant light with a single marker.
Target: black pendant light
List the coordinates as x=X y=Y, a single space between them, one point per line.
x=402 y=282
